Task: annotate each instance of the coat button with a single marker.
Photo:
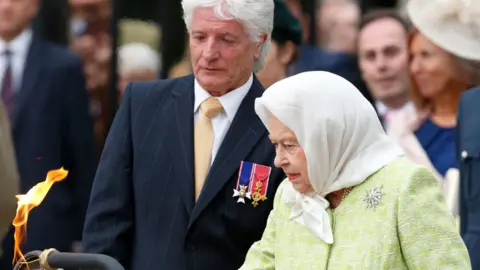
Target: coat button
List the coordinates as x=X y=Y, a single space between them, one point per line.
x=464 y=154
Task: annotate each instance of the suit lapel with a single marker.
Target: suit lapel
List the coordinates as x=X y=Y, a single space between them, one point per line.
x=182 y=138
x=243 y=134
x=30 y=77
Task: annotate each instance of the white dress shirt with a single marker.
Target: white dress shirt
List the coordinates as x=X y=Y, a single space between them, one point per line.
x=19 y=48
x=383 y=110
x=221 y=122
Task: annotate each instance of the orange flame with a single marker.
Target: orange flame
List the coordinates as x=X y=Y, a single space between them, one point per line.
x=27 y=202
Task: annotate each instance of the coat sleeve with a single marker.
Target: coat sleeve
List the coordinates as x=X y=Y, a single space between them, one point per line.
x=261 y=255
x=9 y=178
x=109 y=222
x=428 y=235
x=79 y=141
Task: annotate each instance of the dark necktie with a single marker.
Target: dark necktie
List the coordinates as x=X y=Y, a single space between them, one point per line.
x=8 y=94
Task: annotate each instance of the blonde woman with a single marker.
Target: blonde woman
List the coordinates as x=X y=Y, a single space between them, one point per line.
x=455 y=26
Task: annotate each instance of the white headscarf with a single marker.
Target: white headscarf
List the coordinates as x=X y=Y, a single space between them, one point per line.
x=341 y=136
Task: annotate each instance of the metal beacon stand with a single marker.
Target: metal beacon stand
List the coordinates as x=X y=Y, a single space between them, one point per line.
x=51 y=259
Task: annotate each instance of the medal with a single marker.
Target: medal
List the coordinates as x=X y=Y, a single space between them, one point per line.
x=252 y=183
x=243 y=183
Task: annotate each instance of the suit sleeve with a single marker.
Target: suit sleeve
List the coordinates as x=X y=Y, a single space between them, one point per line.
x=458 y=146
x=261 y=255
x=109 y=220
x=9 y=179
x=428 y=235
x=469 y=172
x=80 y=141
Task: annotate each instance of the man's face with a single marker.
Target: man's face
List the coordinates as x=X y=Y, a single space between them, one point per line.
x=383 y=59
x=221 y=52
x=15 y=15
x=337 y=25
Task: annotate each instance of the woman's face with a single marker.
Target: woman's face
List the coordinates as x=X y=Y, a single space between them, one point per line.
x=433 y=69
x=276 y=63
x=289 y=155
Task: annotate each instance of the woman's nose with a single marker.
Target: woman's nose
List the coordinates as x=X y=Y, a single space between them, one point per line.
x=279 y=160
x=414 y=66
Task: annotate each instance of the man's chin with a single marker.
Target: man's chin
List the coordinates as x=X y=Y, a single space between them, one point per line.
x=211 y=82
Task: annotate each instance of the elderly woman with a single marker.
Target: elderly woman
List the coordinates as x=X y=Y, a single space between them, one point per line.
x=137 y=62
x=351 y=200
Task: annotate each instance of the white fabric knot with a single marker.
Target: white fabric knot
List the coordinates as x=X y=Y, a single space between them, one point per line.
x=309 y=210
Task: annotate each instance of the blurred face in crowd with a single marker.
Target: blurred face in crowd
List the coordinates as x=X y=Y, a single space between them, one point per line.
x=89 y=16
x=278 y=59
x=15 y=16
x=337 y=25
x=433 y=69
x=221 y=51
x=383 y=61
x=289 y=155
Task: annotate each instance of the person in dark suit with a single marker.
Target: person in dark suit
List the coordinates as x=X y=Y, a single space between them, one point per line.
x=165 y=195
x=43 y=89
x=468 y=142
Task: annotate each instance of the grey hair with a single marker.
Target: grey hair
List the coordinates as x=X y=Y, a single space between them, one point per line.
x=255 y=15
x=132 y=56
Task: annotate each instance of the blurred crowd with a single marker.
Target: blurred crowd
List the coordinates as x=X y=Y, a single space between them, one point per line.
x=56 y=99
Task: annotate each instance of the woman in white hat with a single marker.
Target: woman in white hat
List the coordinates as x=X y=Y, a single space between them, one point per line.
x=454 y=25
x=351 y=200
x=427 y=133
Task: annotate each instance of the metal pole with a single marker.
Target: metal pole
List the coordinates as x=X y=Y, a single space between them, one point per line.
x=173 y=34
x=115 y=6
x=311 y=8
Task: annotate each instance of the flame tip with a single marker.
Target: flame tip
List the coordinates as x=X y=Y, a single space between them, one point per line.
x=26 y=202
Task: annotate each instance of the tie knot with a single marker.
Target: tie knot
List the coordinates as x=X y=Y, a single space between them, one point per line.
x=211 y=107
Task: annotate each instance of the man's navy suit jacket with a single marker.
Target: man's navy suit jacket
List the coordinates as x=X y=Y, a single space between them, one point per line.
x=469 y=163
x=142 y=209
x=52 y=128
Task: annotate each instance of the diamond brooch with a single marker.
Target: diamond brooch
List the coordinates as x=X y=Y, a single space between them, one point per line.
x=373 y=197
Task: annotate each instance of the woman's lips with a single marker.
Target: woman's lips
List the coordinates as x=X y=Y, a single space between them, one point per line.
x=292 y=177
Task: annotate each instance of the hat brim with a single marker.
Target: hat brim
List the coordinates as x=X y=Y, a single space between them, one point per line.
x=448 y=34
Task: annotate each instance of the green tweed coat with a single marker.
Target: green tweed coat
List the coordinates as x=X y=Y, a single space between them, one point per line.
x=408 y=228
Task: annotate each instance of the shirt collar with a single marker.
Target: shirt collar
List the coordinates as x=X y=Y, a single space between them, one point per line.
x=383 y=109
x=19 y=45
x=230 y=101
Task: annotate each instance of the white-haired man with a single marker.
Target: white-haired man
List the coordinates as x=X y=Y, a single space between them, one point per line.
x=137 y=62
x=185 y=181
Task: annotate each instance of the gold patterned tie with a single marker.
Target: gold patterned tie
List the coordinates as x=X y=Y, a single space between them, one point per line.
x=204 y=141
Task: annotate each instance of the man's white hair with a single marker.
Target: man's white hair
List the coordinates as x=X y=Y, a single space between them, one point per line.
x=138 y=56
x=255 y=15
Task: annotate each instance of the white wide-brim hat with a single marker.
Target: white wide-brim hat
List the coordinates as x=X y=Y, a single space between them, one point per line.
x=453 y=25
